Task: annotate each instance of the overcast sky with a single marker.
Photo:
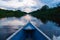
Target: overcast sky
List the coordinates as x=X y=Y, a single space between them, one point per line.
x=26 y=5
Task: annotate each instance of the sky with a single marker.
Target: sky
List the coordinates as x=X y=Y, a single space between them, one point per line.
x=26 y=5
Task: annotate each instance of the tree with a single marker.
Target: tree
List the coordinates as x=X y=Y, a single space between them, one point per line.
x=45 y=7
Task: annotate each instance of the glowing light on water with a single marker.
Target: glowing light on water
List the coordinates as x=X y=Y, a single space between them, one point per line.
x=27 y=17
x=20 y=21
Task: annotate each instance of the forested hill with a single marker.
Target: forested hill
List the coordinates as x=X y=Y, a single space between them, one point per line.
x=10 y=13
x=46 y=13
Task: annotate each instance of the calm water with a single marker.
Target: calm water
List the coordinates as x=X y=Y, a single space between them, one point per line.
x=50 y=28
x=6 y=32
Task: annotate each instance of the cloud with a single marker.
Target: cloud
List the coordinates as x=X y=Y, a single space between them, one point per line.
x=20 y=21
x=26 y=5
x=54 y=1
x=21 y=4
x=51 y=3
x=11 y=21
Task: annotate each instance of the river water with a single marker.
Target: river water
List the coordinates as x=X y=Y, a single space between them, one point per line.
x=7 y=27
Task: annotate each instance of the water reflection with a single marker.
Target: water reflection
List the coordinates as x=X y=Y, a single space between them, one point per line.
x=50 y=28
x=5 y=32
x=12 y=24
x=9 y=26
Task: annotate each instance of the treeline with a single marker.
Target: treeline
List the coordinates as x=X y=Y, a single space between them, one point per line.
x=10 y=13
x=46 y=13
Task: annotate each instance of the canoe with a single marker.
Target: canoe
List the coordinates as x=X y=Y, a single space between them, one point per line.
x=29 y=32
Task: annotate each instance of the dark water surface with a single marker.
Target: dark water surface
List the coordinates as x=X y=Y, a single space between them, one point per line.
x=6 y=32
x=50 y=28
